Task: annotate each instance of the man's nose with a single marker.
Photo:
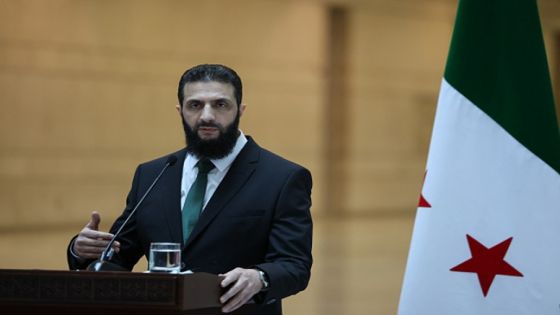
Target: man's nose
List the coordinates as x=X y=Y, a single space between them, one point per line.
x=207 y=113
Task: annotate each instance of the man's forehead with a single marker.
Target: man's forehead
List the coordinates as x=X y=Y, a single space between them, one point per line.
x=208 y=89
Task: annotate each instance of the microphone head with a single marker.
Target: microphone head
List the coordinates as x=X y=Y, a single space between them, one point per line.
x=171 y=160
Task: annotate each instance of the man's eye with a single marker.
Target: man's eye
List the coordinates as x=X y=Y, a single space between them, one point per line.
x=221 y=104
x=193 y=105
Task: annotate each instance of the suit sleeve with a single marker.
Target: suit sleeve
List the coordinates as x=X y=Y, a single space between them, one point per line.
x=288 y=259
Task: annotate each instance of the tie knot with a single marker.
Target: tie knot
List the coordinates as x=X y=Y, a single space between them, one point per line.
x=204 y=166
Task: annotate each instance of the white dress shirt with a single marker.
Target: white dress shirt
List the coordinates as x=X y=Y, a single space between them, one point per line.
x=215 y=176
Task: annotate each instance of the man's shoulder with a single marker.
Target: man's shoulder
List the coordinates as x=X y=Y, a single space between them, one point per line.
x=268 y=156
x=271 y=159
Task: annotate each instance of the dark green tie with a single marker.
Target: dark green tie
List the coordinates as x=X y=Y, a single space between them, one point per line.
x=195 y=198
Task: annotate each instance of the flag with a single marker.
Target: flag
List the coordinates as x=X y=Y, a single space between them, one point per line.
x=486 y=237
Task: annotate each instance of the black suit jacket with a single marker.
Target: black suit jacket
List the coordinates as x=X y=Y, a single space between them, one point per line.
x=259 y=216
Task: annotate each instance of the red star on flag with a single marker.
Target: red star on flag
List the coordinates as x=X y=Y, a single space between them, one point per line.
x=423 y=203
x=487 y=262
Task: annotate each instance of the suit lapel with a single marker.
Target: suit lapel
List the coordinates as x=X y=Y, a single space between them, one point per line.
x=171 y=197
x=241 y=169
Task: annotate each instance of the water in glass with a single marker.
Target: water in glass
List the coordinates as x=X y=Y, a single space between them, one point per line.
x=165 y=257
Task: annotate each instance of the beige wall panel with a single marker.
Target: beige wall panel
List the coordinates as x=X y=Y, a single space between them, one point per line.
x=548 y=10
x=88 y=90
x=397 y=60
x=407 y=38
x=551 y=30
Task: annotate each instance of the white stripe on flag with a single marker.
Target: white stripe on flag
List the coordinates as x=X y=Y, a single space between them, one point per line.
x=481 y=181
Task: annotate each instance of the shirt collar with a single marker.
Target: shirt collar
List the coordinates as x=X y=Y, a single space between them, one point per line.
x=223 y=163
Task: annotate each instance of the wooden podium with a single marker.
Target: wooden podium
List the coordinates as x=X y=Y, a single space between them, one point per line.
x=84 y=293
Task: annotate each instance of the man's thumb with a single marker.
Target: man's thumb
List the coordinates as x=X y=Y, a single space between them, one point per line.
x=94 y=221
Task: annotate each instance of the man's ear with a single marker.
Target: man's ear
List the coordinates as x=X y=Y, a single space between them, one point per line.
x=242 y=109
x=178 y=107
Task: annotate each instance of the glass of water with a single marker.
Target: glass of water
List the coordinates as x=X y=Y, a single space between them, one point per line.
x=165 y=257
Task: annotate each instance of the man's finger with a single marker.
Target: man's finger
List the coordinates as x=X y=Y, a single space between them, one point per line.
x=88 y=242
x=231 y=292
x=92 y=250
x=93 y=234
x=240 y=298
x=87 y=251
x=235 y=302
x=94 y=221
x=89 y=255
x=230 y=277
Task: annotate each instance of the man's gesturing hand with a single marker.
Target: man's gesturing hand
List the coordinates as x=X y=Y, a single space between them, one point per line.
x=90 y=243
x=245 y=283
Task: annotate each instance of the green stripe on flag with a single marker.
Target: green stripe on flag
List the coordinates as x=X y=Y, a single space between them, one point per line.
x=497 y=60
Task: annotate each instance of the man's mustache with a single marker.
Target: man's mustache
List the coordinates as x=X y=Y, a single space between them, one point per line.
x=206 y=125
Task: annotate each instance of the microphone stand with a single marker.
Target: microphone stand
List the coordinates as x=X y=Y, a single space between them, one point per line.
x=103 y=264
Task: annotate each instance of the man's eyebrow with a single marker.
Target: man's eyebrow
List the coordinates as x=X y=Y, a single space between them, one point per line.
x=210 y=98
x=221 y=99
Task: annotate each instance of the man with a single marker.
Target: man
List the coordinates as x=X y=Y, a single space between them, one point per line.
x=255 y=226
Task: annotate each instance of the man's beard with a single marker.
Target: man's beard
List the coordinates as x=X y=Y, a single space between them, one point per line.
x=213 y=148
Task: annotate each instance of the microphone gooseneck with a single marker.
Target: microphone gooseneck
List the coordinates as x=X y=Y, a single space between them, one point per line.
x=103 y=264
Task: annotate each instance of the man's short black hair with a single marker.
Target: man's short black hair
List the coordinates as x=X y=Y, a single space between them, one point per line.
x=211 y=72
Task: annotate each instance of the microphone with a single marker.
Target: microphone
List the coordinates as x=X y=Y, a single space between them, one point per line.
x=103 y=264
